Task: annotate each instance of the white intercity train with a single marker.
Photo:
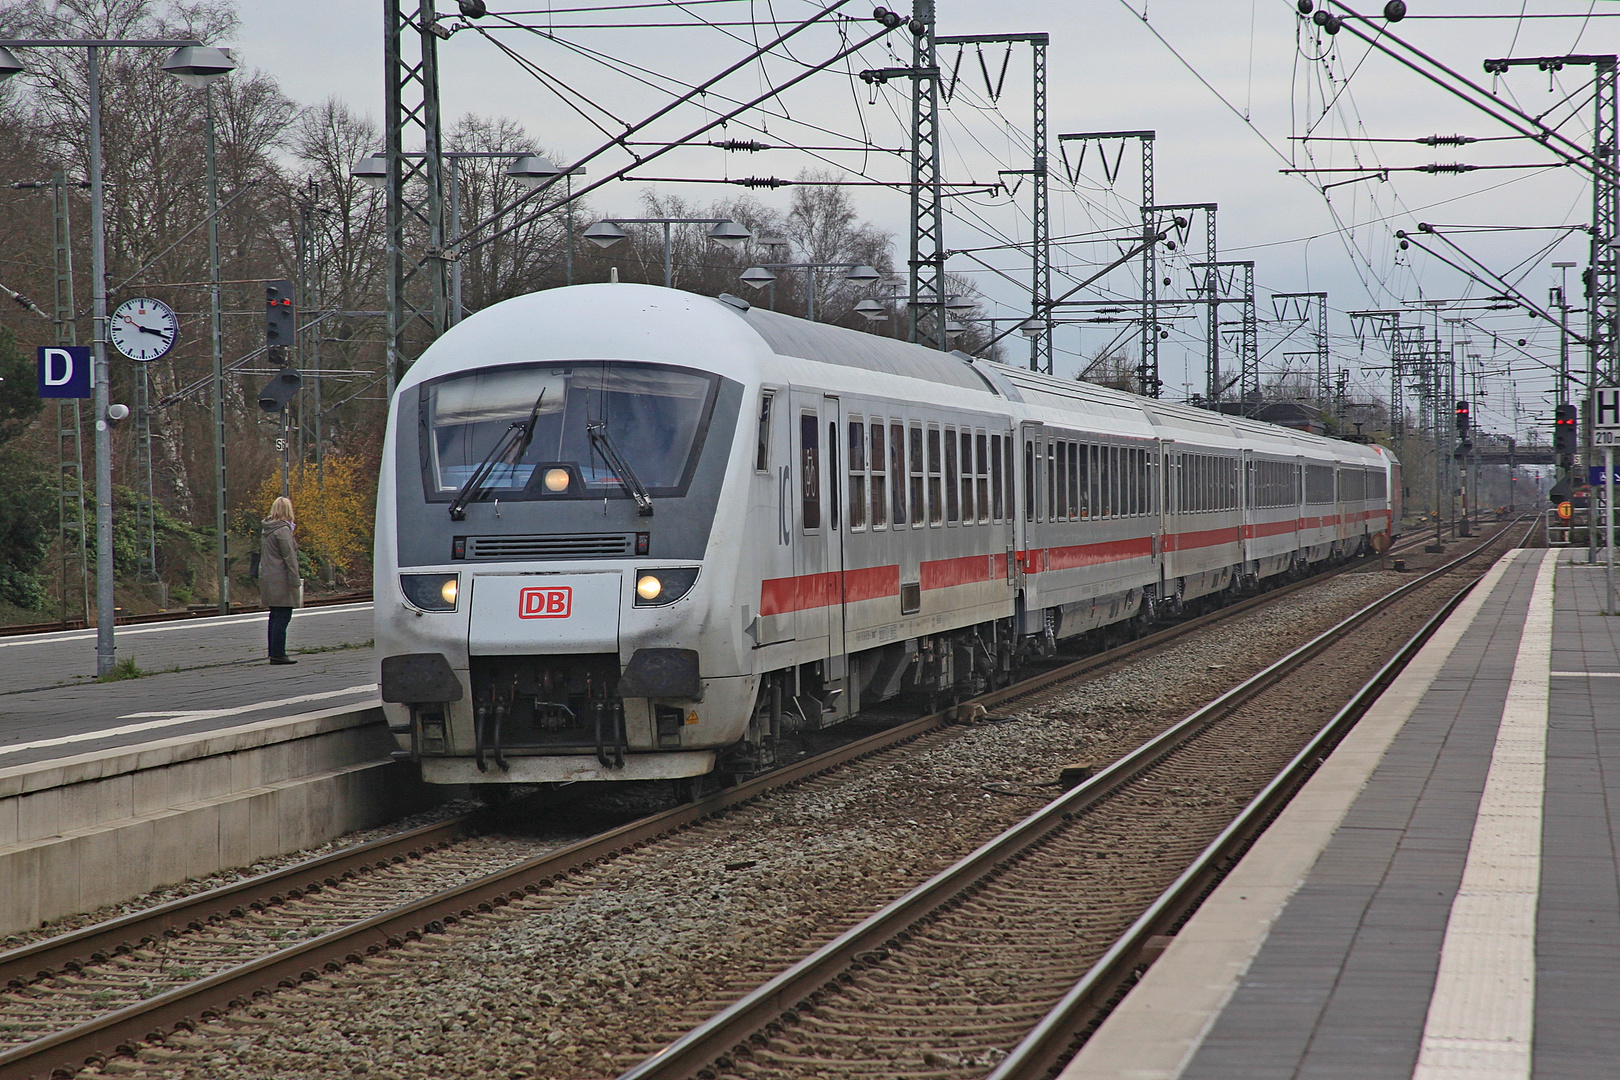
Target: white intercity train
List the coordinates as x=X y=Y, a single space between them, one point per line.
x=632 y=533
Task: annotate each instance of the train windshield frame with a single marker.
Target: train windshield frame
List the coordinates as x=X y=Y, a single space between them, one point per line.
x=657 y=416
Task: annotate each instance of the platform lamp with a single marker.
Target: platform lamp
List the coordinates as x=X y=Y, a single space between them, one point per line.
x=534 y=171
x=725 y=232
x=198 y=64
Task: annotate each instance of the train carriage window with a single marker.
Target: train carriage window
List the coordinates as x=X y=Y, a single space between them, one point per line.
x=967 y=477
x=1050 y=507
x=1060 y=502
x=1127 y=482
x=1076 y=463
x=857 y=475
x=1009 y=458
x=997 y=483
x=918 y=505
x=1138 y=481
x=762 y=451
x=1142 y=477
x=832 y=474
x=897 y=470
x=1082 y=482
x=880 y=489
x=936 y=502
x=810 y=471
x=953 y=503
x=981 y=484
x=1029 y=480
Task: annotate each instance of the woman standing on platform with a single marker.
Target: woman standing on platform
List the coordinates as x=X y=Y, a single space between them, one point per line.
x=280 y=585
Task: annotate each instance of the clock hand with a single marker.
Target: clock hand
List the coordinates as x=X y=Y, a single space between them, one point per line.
x=149 y=330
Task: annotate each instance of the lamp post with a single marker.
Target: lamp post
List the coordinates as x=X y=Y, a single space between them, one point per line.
x=199 y=68
x=760 y=276
x=189 y=60
x=727 y=233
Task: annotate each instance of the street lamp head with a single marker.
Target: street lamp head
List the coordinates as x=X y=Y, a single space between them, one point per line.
x=729 y=235
x=199 y=65
x=604 y=234
x=773 y=241
x=1031 y=328
x=871 y=311
x=532 y=170
x=952 y=327
x=9 y=64
x=958 y=303
x=862 y=273
x=373 y=169
x=757 y=276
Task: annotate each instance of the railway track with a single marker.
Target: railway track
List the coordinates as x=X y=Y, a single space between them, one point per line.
x=133 y=979
x=984 y=955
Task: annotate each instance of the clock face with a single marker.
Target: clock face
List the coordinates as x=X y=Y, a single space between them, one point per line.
x=143 y=329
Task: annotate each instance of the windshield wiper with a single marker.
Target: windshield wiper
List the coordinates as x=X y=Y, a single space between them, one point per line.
x=597 y=430
x=520 y=435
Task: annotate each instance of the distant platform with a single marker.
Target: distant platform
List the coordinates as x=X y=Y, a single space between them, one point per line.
x=1442 y=900
x=206 y=674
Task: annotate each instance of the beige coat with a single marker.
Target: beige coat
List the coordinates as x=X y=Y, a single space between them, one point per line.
x=279 y=580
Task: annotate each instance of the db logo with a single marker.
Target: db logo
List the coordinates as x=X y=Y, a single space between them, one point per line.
x=556 y=602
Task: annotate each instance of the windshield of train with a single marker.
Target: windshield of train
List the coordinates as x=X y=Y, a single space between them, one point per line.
x=652 y=416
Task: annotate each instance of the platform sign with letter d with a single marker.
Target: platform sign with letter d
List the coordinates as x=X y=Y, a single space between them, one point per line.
x=64 y=371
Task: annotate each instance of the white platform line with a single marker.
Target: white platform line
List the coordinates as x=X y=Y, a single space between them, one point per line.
x=174 y=719
x=54 y=637
x=1586 y=674
x=1482 y=1013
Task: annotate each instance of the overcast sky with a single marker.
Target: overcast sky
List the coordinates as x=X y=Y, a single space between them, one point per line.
x=1107 y=71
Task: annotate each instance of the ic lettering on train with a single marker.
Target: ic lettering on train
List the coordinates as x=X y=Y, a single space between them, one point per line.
x=554 y=602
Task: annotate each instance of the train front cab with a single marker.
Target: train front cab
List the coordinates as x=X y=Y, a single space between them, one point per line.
x=555 y=632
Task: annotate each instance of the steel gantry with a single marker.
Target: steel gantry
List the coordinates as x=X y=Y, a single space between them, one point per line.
x=1040 y=336
x=927 y=264
x=1247 y=380
x=1310 y=308
x=418 y=281
x=1147 y=368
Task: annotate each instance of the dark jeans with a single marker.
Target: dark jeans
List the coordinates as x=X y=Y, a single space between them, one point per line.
x=279 y=618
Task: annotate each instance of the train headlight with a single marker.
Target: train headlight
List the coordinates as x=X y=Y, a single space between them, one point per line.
x=661 y=586
x=557 y=480
x=431 y=592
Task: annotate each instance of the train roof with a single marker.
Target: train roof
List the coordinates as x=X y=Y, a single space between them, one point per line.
x=652 y=323
x=840 y=346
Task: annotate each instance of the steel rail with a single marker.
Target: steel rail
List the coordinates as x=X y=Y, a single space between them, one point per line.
x=91 y=944
x=812 y=978
x=1052 y=1041
x=147 y=1020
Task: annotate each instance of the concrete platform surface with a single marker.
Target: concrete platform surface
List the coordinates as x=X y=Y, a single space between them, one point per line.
x=208 y=674
x=1442 y=900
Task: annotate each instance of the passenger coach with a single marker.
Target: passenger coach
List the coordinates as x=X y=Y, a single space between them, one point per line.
x=626 y=532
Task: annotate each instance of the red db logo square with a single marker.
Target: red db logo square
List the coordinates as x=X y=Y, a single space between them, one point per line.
x=554 y=602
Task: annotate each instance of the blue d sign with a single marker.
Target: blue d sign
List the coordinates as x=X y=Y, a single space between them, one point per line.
x=64 y=371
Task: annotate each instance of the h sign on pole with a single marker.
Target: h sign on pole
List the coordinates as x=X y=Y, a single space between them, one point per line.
x=1606 y=415
x=64 y=371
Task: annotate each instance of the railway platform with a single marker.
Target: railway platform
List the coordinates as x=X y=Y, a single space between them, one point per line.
x=1442 y=899
x=212 y=759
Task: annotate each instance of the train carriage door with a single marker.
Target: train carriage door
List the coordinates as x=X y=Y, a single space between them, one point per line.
x=818 y=552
